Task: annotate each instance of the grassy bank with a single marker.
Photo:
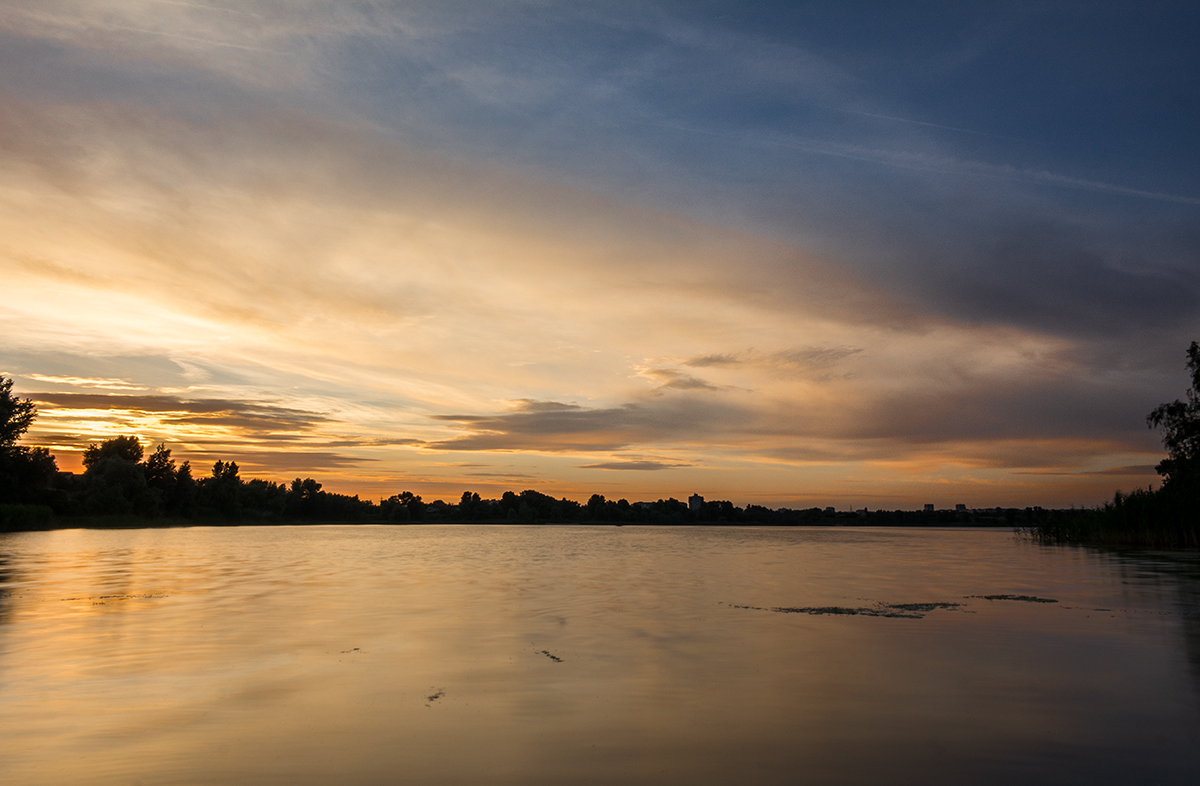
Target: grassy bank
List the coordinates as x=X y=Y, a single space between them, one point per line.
x=20 y=518
x=1164 y=518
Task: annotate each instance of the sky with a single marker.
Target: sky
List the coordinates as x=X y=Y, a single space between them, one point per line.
x=792 y=254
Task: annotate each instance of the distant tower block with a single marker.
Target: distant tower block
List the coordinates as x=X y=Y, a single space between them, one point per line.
x=695 y=501
x=929 y=507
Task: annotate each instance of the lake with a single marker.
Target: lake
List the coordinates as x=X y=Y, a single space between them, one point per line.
x=578 y=655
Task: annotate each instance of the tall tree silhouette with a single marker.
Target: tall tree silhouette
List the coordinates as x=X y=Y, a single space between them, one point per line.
x=125 y=448
x=25 y=473
x=115 y=480
x=15 y=415
x=1180 y=422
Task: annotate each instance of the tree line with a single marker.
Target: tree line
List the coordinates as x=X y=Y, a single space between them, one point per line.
x=1166 y=517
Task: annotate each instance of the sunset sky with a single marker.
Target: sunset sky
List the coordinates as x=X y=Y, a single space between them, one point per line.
x=793 y=254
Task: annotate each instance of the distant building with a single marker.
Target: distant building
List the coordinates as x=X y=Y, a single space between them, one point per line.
x=960 y=508
x=929 y=507
x=830 y=510
x=695 y=502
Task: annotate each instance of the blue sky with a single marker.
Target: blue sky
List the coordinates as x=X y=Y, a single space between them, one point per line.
x=827 y=253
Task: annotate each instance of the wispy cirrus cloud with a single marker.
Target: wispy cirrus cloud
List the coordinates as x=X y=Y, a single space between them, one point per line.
x=941 y=164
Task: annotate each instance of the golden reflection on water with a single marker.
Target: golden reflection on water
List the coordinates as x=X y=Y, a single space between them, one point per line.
x=312 y=655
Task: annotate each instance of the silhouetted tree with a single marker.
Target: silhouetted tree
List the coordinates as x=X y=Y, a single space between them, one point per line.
x=126 y=448
x=161 y=477
x=438 y=510
x=183 y=498
x=304 y=498
x=1168 y=516
x=15 y=415
x=115 y=481
x=111 y=486
x=26 y=473
x=719 y=512
x=219 y=493
x=160 y=469
x=1180 y=422
x=471 y=507
x=27 y=476
x=306 y=501
x=404 y=506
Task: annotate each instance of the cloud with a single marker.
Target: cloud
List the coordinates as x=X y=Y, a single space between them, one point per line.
x=504 y=475
x=958 y=167
x=788 y=361
x=374 y=442
x=300 y=462
x=87 y=382
x=244 y=416
x=549 y=426
x=671 y=379
x=1136 y=470
x=637 y=465
x=725 y=359
x=984 y=421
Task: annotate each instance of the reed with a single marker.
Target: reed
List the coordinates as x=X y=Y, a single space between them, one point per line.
x=1165 y=518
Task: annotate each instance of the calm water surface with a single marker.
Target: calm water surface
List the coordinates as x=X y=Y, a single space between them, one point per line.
x=531 y=655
